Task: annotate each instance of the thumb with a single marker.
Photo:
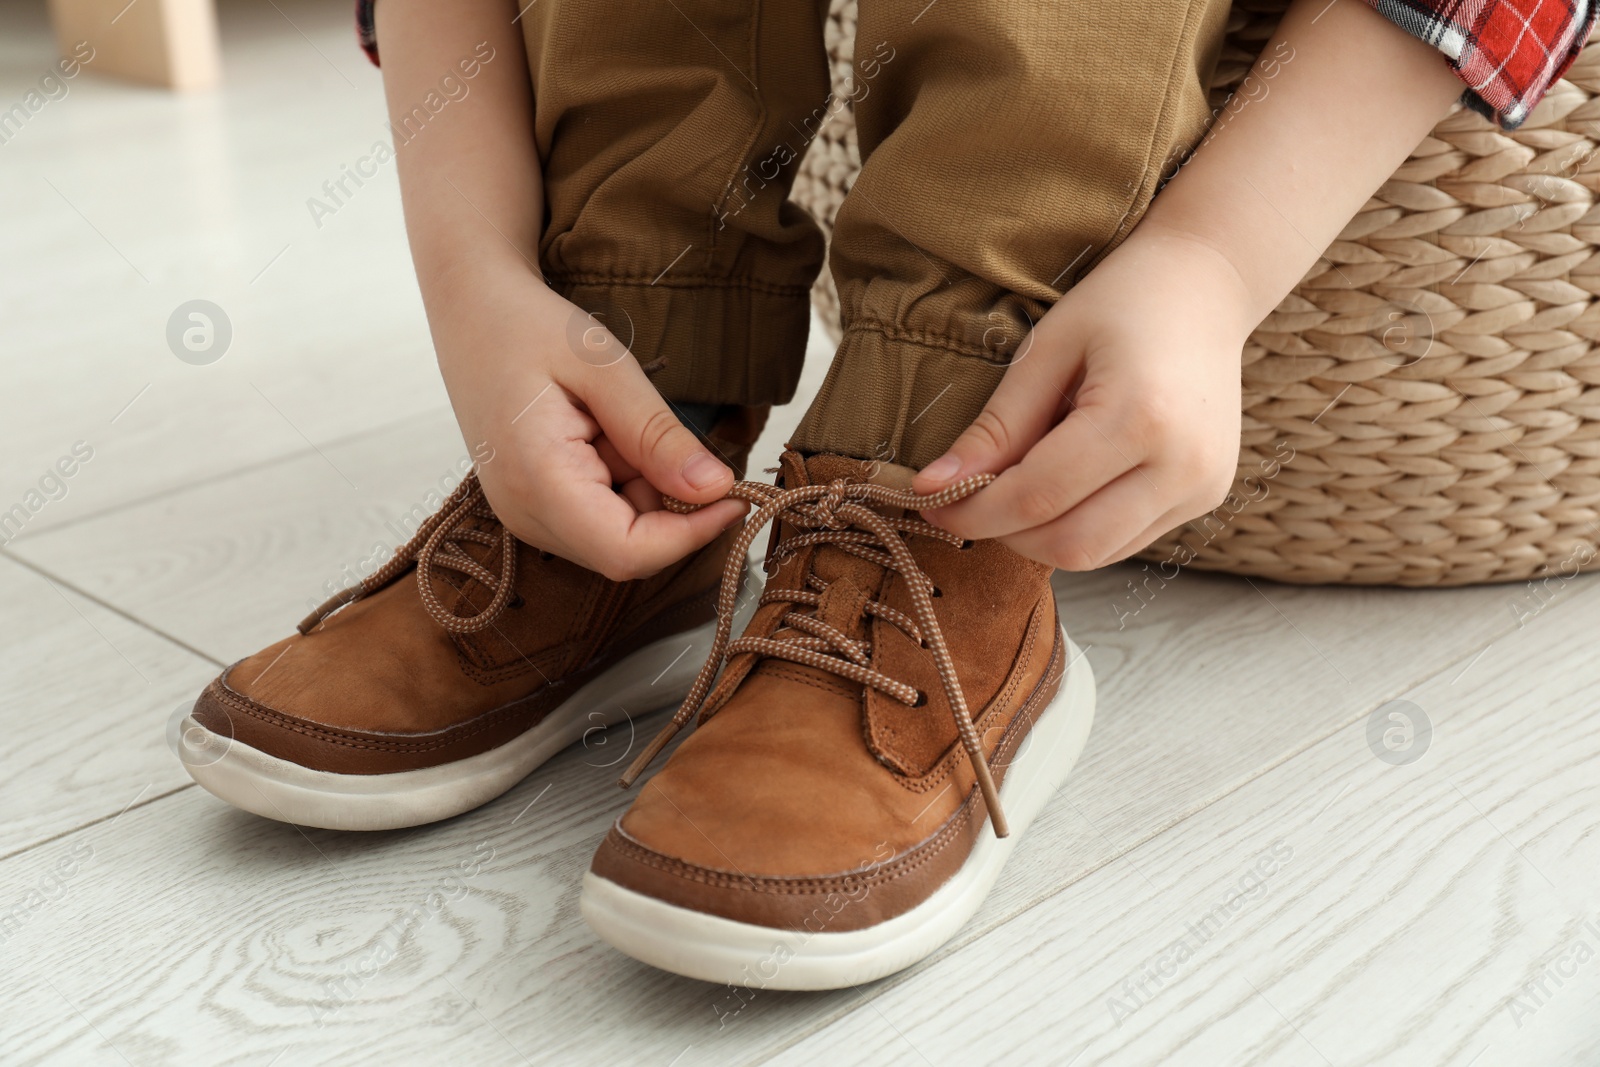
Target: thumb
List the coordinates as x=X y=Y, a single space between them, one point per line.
x=645 y=432
x=1016 y=416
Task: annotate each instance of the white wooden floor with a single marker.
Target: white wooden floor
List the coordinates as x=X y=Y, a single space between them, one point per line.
x=1231 y=877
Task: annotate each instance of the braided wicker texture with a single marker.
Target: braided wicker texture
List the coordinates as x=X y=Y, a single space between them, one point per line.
x=831 y=164
x=1424 y=408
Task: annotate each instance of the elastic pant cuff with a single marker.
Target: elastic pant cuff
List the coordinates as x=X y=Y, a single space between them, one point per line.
x=727 y=343
x=896 y=400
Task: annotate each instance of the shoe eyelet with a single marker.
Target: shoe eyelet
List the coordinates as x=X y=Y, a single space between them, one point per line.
x=937 y=593
x=546 y=556
x=964 y=545
x=922 y=700
x=516 y=601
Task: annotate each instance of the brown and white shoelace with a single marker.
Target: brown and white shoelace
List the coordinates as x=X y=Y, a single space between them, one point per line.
x=846 y=516
x=436 y=546
x=842 y=514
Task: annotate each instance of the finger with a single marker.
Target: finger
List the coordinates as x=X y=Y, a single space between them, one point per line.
x=1090 y=534
x=604 y=531
x=1069 y=465
x=622 y=471
x=1171 y=520
x=1029 y=399
x=648 y=436
x=641 y=494
x=657 y=539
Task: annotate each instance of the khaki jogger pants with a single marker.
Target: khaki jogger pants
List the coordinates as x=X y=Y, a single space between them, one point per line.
x=1006 y=146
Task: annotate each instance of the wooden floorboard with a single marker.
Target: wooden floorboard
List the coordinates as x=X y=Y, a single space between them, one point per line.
x=1339 y=909
x=85 y=696
x=233 y=564
x=144 y=922
x=190 y=911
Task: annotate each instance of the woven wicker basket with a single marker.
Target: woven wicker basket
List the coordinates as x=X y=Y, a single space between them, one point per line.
x=1434 y=377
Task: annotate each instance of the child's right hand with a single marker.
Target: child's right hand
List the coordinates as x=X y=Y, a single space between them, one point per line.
x=583 y=445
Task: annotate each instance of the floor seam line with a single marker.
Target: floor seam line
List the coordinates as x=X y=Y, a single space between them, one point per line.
x=951 y=947
x=148 y=627
x=42 y=842
x=220 y=476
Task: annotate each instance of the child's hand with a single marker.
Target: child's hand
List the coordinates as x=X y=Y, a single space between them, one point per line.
x=581 y=441
x=1120 y=418
x=1147 y=346
x=583 y=445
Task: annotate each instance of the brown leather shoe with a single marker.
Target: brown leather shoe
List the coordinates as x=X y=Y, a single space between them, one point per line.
x=406 y=701
x=839 y=812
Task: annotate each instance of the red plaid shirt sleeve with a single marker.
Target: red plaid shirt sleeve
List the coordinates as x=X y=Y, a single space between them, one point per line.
x=1508 y=52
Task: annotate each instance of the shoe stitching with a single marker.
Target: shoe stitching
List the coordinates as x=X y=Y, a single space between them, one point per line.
x=521 y=665
x=919 y=855
x=592 y=638
x=492 y=719
x=489 y=720
x=683 y=616
x=792 y=674
x=863 y=519
x=515 y=668
x=683 y=607
x=947 y=763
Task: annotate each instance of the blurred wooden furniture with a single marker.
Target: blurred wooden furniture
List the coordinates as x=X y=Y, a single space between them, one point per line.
x=171 y=43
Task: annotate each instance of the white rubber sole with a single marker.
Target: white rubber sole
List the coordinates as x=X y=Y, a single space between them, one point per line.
x=655 y=677
x=715 y=949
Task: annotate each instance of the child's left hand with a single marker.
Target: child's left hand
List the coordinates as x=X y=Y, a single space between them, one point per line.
x=1119 y=420
x=1147 y=346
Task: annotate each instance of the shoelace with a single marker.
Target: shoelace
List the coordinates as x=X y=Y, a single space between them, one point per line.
x=841 y=514
x=437 y=544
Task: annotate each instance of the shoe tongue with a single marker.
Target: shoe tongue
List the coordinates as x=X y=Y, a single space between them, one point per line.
x=851 y=580
x=822 y=468
x=833 y=564
x=825 y=467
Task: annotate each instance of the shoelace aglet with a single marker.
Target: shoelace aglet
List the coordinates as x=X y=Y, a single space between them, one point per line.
x=651 y=751
x=328 y=607
x=991 y=798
